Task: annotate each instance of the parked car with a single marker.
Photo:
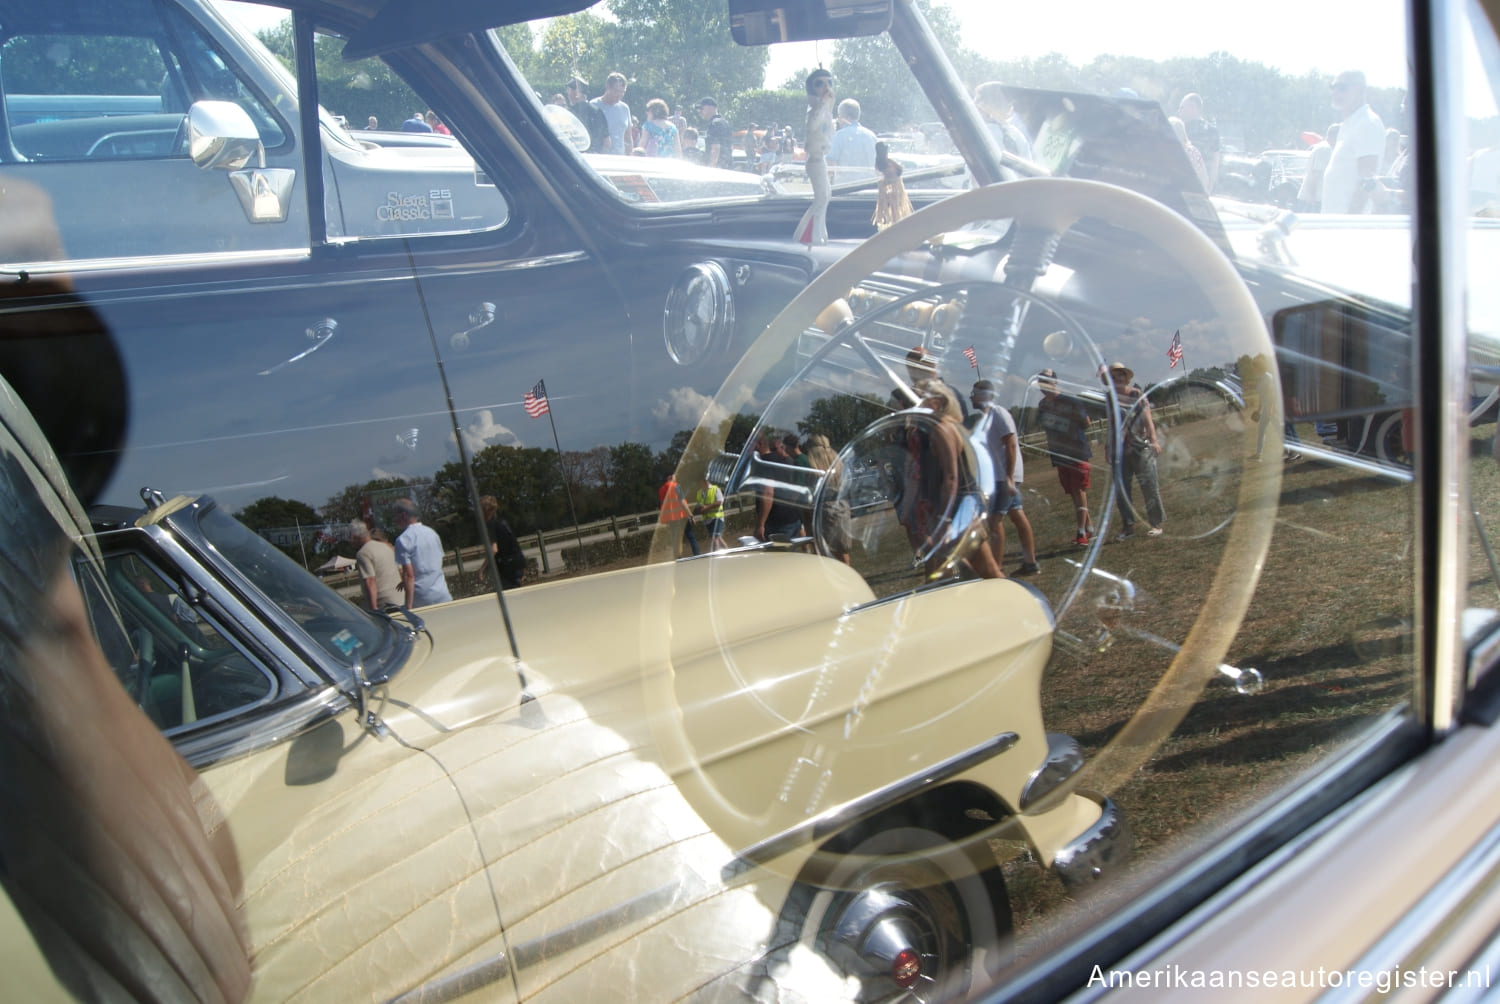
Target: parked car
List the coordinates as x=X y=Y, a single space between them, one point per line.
x=836 y=761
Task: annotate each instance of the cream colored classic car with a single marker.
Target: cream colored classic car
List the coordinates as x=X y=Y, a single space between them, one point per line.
x=831 y=761
x=404 y=810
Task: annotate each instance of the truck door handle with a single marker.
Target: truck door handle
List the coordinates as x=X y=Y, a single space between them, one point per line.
x=318 y=334
x=482 y=317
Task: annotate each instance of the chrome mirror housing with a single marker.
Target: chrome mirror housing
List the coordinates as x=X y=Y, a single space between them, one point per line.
x=220 y=135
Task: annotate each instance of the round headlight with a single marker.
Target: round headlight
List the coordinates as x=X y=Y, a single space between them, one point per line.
x=699 y=318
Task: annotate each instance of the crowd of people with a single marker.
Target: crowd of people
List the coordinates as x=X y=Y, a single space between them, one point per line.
x=953 y=508
x=1356 y=165
x=708 y=138
x=409 y=571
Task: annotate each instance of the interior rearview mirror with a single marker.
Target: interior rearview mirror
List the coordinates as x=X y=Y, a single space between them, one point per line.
x=762 y=22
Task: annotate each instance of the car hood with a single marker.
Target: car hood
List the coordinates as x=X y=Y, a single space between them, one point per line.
x=619 y=793
x=675 y=718
x=733 y=689
x=1368 y=255
x=667 y=179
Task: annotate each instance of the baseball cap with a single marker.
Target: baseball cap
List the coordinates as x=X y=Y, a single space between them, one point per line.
x=706 y=101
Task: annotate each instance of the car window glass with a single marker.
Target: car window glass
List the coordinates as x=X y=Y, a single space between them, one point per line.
x=647 y=140
x=1481 y=65
x=1315 y=405
x=52 y=80
x=179 y=664
x=1114 y=464
x=341 y=630
x=97 y=117
x=394 y=166
x=58 y=86
x=391 y=166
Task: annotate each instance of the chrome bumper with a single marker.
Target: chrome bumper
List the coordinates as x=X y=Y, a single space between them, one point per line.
x=1096 y=851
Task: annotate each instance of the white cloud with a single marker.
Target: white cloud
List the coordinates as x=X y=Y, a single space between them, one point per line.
x=684 y=408
x=483 y=431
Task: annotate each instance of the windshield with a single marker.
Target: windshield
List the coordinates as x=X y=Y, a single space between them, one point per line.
x=338 y=627
x=1237 y=129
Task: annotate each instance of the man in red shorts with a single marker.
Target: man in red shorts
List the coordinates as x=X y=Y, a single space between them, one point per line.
x=1066 y=423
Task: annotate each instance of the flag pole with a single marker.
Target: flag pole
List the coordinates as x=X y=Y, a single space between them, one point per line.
x=563 y=472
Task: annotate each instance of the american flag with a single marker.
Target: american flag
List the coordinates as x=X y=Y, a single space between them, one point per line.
x=973 y=359
x=535 y=400
x=1174 y=351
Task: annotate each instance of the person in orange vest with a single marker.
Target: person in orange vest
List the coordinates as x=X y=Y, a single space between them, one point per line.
x=674 y=510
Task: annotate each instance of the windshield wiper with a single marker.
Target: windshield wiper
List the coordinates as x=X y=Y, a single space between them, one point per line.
x=413 y=626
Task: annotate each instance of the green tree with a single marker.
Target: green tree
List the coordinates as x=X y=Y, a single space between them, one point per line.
x=633 y=479
x=526 y=482
x=871 y=71
x=737 y=429
x=667 y=460
x=681 y=50
x=572 y=44
x=273 y=511
x=356 y=89
x=520 y=45
x=841 y=417
x=374 y=496
x=91 y=65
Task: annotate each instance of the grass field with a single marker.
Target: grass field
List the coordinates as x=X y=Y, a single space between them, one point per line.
x=1329 y=628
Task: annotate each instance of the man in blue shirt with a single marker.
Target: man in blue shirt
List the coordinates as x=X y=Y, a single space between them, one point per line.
x=419 y=556
x=417 y=123
x=616 y=113
x=853 y=144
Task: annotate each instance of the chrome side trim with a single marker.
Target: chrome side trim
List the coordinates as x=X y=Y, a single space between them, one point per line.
x=467 y=980
x=1440 y=214
x=276 y=725
x=828 y=823
x=1096 y=851
x=1460 y=894
x=289 y=255
x=1044 y=788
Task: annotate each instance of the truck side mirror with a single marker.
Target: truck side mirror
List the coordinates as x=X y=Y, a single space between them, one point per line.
x=221 y=135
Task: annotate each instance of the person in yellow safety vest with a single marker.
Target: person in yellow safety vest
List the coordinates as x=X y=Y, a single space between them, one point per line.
x=673 y=510
x=711 y=507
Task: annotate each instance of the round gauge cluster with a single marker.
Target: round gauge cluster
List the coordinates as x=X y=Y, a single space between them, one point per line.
x=699 y=317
